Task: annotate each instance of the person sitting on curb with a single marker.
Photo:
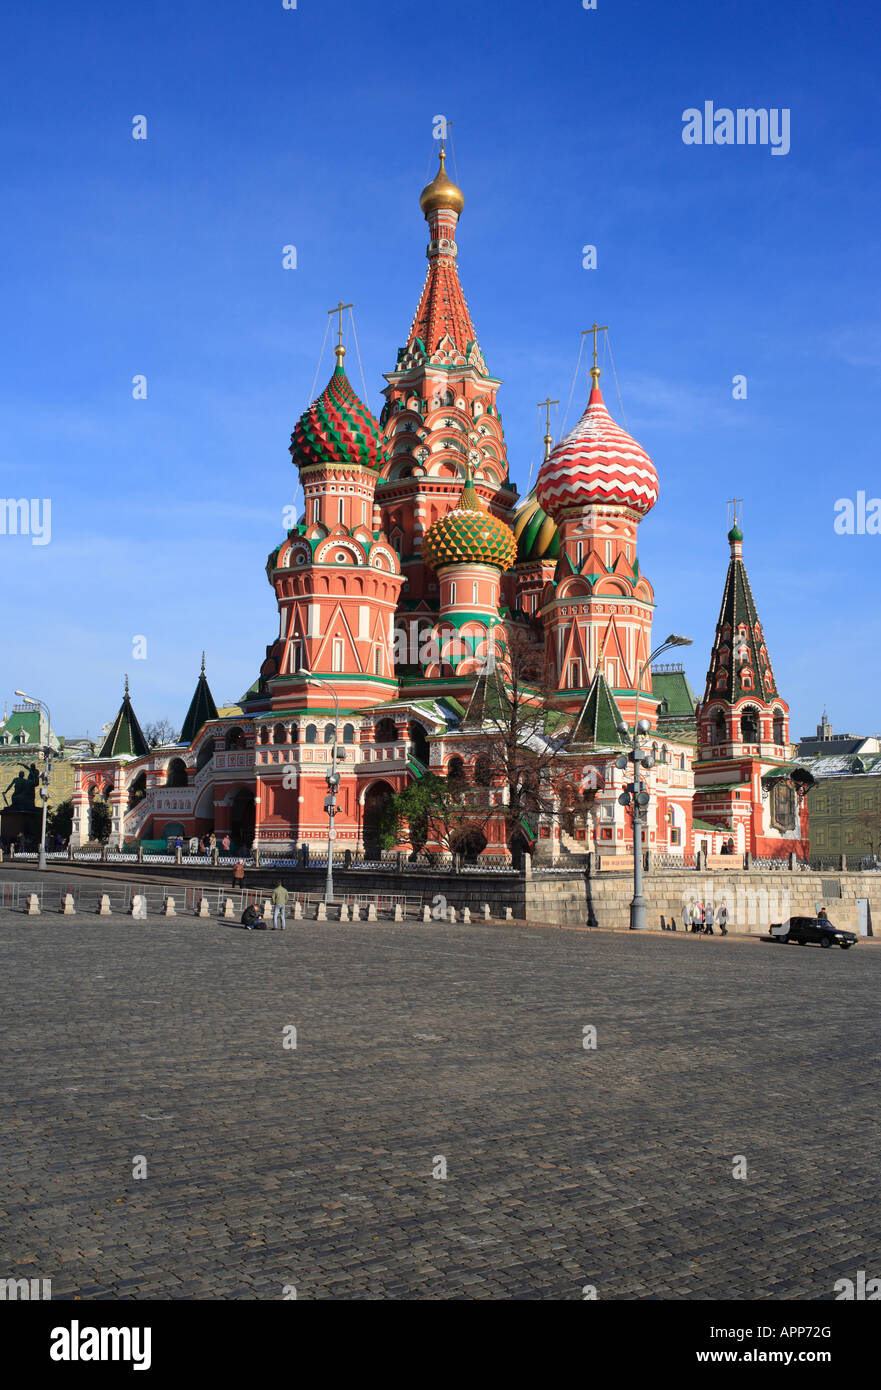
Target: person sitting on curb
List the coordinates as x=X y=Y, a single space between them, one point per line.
x=251 y=919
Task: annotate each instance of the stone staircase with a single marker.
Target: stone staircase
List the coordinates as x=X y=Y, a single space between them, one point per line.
x=572 y=849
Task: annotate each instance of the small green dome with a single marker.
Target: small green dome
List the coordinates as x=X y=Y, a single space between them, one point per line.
x=735 y=534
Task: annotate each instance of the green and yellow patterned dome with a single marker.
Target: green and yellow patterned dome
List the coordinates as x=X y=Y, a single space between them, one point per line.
x=469 y=535
x=535 y=532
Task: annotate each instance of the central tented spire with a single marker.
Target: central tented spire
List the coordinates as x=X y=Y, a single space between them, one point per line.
x=442 y=326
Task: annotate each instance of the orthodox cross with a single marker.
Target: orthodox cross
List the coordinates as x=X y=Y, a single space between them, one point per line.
x=548 y=439
x=339 y=310
x=595 y=329
x=735 y=502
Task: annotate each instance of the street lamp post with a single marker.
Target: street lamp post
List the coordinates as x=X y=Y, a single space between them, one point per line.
x=639 y=796
x=45 y=775
x=332 y=779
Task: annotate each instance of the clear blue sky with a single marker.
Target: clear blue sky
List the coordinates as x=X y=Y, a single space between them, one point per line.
x=312 y=127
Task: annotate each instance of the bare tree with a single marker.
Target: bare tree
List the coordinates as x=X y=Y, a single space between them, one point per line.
x=160 y=732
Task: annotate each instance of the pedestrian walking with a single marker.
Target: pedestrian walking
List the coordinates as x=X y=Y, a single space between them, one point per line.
x=709 y=919
x=212 y=842
x=238 y=874
x=723 y=919
x=697 y=919
x=225 y=844
x=279 y=902
x=686 y=917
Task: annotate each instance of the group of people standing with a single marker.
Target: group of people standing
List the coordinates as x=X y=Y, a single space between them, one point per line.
x=207 y=845
x=699 y=918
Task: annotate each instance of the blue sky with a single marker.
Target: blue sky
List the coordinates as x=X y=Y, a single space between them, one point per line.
x=312 y=127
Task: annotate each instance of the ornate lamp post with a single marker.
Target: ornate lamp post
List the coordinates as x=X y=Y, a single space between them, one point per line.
x=44 y=775
x=636 y=794
x=332 y=779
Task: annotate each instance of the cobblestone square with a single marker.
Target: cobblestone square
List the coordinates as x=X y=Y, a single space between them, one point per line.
x=271 y=1168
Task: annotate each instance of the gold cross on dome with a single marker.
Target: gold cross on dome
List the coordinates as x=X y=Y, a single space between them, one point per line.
x=595 y=329
x=735 y=502
x=547 y=403
x=339 y=310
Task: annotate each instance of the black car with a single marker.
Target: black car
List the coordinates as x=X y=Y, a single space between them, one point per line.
x=818 y=930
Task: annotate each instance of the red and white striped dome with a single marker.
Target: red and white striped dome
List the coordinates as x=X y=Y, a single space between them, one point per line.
x=597 y=462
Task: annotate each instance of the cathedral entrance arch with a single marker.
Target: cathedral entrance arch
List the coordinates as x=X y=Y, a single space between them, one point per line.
x=375 y=799
x=241 y=819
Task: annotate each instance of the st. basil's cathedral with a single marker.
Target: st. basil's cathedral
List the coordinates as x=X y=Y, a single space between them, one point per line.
x=413 y=559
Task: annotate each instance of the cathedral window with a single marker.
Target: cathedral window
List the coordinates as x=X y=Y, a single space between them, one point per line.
x=348 y=733
x=377 y=661
x=329 y=733
x=474 y=592
x=749 y=726
x=337 y=654
x=574 y=675
x=453 y=591
x=311 y=733
x=341 y=511
x=778 y=726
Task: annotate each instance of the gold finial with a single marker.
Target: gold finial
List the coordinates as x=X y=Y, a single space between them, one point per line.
x=339 y=350
x=203 y=663
x=442 y=192
x=734 y=502
x=548 y=439
x=595 y=329
x=126 y=687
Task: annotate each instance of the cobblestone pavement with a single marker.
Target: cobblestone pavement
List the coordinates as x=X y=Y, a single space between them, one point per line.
x=271 y=1166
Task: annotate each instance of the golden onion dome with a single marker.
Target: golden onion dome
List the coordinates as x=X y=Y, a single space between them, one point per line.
x=441 y=192
x=469 y=535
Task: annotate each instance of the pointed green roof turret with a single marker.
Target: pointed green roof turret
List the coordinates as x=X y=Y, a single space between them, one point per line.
x=125 y=739
x=202 y=708
x=739 y=662
x=600 y=716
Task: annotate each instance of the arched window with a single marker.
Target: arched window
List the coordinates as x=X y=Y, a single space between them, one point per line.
x=329 y=733
x=455 y=770
x=348 y=733
x=482 y=771
x=449 y=398
x=176 y=776
x=279 y=734
x=717 y=728
x=749 y=725
x=235 y=739
x=206 y=753
x=311 y=733
x=778 y=726
x=264 y=734
x=295 y=733
x=138 y=789
x=665 y=756
x=681 y=762
x=385 y=731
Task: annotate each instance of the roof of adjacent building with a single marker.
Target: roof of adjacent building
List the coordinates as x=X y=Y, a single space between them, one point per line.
x=842 y=765
x=671 y=688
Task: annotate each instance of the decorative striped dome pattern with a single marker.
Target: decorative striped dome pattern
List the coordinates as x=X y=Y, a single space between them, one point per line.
x=469 y=535
x=337 y=428
x=597 y=462
x=535 y=532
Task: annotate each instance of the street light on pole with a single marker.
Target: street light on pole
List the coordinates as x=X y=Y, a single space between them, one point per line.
x=45 y=775
x=332 y=779
x=639 y=797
